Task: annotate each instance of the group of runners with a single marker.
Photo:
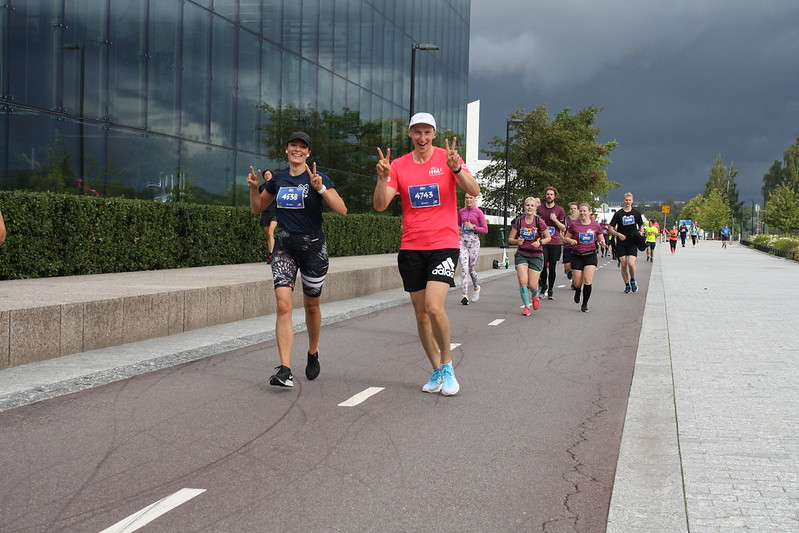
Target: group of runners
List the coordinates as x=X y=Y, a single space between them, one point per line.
x=426 y=180
x=544 y=233
x=436 y=235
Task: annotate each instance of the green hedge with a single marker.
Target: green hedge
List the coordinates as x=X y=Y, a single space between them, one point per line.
x=64 y=235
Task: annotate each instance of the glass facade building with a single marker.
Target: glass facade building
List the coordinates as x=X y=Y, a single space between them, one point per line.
x=141 y=93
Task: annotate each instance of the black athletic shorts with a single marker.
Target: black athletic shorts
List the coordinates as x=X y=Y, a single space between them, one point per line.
x=305 y=253
x=417 y=267
x=626 y=247
x=579 y=262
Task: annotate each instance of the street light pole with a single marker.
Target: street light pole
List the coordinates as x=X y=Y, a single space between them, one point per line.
x=425 y=47
x=81 y=92
x=507 y=172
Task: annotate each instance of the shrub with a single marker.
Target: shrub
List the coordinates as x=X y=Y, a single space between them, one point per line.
x=785 y=243
x=52 y=234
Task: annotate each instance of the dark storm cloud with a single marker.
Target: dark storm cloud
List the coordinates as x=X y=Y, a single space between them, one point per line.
x=679 y=82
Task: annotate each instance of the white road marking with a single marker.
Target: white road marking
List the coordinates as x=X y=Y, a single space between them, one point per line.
x=151 y=512
x=496 y=322
x=360 y=397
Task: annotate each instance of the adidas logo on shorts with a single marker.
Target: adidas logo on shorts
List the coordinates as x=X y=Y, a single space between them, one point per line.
x=446 y=268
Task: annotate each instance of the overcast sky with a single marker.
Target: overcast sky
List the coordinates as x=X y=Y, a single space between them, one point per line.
x=679 y=82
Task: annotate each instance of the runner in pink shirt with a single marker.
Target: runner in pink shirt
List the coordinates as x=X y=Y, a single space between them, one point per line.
x=426 y=181
x=472 y=221
x=583 y=235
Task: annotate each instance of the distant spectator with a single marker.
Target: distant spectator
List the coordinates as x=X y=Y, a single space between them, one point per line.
x=2 y=229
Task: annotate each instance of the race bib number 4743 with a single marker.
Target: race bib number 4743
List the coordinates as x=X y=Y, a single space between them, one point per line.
x=424 y=195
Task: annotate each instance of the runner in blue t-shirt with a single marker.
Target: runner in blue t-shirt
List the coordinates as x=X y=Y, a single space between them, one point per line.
x=725 y=235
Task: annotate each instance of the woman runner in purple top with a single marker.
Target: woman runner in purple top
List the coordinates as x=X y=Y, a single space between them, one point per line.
x=583 y=235
x=530 y=233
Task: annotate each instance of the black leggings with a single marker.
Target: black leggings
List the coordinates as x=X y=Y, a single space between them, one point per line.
x=551 y=257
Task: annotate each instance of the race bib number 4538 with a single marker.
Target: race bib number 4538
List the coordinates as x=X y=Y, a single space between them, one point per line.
x=291 y=198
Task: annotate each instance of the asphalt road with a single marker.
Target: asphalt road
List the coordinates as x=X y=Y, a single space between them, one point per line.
x=529 y=444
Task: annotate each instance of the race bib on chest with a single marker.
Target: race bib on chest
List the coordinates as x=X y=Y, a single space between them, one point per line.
x=424 y=195
x=291 y=198
x=586 y=238
x=551 y=230
x=528 y=234
x=464 y=229
x=628 y=220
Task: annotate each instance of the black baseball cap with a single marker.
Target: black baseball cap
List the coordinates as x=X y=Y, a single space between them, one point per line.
x=301 y=135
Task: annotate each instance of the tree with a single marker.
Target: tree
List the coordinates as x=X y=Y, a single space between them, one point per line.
x=723 y=180
x=714 y=211
x=791 y=158
x=783 y=173
x=560 y=151
x=772 y=179
x=692 y=208
x=782 y=209
x=344 y=146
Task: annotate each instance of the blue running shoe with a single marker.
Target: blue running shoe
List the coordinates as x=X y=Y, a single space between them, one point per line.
x=450 y=385
x=627 y=289
x=435 y=383
x=634 y=285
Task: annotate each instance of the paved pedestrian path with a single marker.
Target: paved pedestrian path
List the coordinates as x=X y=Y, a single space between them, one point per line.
x=711 y=437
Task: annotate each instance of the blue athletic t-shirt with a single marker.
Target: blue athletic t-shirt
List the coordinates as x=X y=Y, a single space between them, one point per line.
x=299 y=206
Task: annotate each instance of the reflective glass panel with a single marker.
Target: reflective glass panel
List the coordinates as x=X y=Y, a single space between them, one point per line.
x=163 y=78
x=127 y=74
x=223 y=82
x=249 y=87
x=195 y=73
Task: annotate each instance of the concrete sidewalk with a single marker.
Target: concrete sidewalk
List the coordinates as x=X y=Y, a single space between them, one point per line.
x=711 y=436
x=355 y=286
x=46 y=318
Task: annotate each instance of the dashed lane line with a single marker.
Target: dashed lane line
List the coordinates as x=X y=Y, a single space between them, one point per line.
x=361 y=397
x=141 y=518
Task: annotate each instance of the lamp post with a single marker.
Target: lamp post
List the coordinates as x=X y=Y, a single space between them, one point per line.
x=425 y=47
x=81 y=92
x=507 y=172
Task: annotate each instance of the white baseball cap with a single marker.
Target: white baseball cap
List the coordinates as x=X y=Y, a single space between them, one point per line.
x=422 y=118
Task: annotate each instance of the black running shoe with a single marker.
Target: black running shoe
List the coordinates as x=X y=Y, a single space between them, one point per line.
x=577 y=295
x=584 y=307
x=465 y=300
x=312 y=368
x=283 y=377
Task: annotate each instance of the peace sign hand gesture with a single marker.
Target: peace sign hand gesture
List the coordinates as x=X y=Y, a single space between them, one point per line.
x=453 y=158
x=383 y=164
x=316 y=179
x=252 y=178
